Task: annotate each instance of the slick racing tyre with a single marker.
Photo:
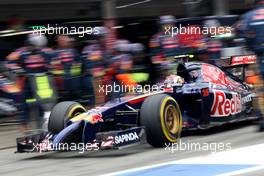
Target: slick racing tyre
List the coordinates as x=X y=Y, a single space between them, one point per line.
x=61 y=113
x=161 y=116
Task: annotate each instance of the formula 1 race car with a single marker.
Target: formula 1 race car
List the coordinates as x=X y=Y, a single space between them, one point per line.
x=208 y=97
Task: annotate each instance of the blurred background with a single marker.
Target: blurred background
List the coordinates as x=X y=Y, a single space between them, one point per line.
x=131 y=16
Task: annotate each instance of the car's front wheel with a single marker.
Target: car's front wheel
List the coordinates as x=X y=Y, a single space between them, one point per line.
x=61 y=113
x=161 y=116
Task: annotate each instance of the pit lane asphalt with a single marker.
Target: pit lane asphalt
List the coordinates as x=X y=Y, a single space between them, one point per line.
x=103 y=162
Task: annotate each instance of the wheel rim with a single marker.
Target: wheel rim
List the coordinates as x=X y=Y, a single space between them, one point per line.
x=171 y=119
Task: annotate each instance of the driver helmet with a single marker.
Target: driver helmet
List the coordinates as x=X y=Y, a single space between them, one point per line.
x=211 y=23
x=173 y=79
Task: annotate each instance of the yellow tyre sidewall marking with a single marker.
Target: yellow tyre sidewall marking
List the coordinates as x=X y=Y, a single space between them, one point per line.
x=74 y=108
x=162 y=119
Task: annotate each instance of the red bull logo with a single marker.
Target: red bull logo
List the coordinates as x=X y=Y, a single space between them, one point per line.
x=222 y=106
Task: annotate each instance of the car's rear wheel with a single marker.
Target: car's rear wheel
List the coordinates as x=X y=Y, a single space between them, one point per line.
x=61 y=113
x=161 y=116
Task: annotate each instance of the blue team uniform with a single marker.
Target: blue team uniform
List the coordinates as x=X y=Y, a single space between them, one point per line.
x=251 y=27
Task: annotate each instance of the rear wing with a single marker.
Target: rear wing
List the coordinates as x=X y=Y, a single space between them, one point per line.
x=234 y=61
x=243 y=60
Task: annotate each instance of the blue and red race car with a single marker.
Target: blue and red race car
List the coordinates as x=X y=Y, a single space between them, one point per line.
x=209 y=96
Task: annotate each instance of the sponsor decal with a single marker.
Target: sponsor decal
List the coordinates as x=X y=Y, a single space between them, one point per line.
x=216 y=76
x=223 y=106
x=247 y=98
x=137 y=100
x=133 y=136
x=94 y=116
x=238 y=60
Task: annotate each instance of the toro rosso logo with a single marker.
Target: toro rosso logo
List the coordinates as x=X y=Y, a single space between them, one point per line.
x=94 y=116
x=223 y=106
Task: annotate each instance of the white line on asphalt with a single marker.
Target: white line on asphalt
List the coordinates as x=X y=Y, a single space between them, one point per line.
x=243 y=171
x=243 y=156
x=139 y=168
